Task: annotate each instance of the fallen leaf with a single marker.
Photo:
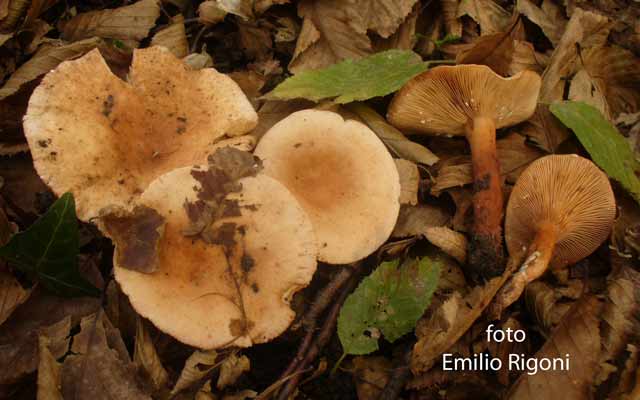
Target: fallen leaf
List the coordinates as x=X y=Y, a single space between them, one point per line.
x=12 y=294
x=396 y=141
x=367 y=15
x=100 y=367
x=542 y=302
x=146 y=358
x=413 y=220
x=449 y=241
x=584 y=28
x=451 y=21
x=136 y=235
x=241 y=395
x=49 y=372
x=48 y=249
x=210 y=13
x=131 y=22
x=370 y=374
x=13 y=11
x=19 y=349
x=348 y=81
x=272 y=111
x=607 y=147
x=326 y=36
x=197 y=366
x=526 y=58
x=576 y=336
x=489 y=15
x=545 y=130
x=44 y=60
x=409 y=181
x=173 y=37
x=548 y=17
x=387 y=303
x=404 y=38
x=231 y=368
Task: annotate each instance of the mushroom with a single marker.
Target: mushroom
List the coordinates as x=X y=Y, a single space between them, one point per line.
x=235 y=287
x=471 y=100
x=105 y=140
x=560 y=210
x=342 y=175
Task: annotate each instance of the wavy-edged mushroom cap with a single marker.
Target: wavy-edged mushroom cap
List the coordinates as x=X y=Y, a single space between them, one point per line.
x=342 y=175
x=235 y=290
x=444 y=99
x=105 y=140
x=568 y=192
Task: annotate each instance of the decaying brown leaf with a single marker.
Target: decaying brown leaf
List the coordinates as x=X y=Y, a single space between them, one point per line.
x=371 y=374
x=197 y=366
x=577 y=336
x=100 y=366
x=544 y=129
x=542 y=302
x=548 y=17
x=131 y=22
x=409 y=181
x=146 y=358
x=12 y=294
x=449 y=241
x=584 y=28
x=414 y=219
x=49 y=372
x=210 y=13
x=12 y=10
x=231 y=368
x=488 y=14
x=173 y=37
x=451 y=21
x=47 y=58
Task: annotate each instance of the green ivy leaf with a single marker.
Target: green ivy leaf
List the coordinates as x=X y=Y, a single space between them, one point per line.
x=607 y=147
x=48 y=249
x=347 y=81
x=388 y=302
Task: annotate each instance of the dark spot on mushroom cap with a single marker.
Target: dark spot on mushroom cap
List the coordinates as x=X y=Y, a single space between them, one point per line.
x=247 y=262
x=107 y=105
x=239 y=327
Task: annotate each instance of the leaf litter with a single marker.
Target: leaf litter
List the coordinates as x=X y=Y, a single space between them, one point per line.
x=405 y=305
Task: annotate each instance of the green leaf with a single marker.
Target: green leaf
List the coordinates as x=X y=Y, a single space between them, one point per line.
x=607 y=147
x=389 y=302
x=347 y=81
x=49 y=249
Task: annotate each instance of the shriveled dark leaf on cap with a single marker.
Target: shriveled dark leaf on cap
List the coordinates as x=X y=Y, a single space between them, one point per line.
x=136 y=235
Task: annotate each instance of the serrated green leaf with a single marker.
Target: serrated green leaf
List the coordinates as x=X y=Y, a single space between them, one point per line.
x=347 y=81
x=389 y=302
x=607 y=147
x=48 y=249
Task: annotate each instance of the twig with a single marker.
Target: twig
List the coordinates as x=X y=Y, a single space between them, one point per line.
x=323 y=337
x=310 y=320
x=399 y=376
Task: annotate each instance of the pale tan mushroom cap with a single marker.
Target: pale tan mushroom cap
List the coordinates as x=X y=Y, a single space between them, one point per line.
x=444 y=99
x=342 y=175
x=192 y=295
x=568 y=191
x=105 y=140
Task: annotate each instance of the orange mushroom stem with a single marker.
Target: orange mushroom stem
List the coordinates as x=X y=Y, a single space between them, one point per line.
x=486 y=244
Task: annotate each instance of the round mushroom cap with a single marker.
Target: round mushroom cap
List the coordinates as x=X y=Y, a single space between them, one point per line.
x=571 y=193
x=236 y=292
x=444 y=99
x=342 y=175
x=105 y=140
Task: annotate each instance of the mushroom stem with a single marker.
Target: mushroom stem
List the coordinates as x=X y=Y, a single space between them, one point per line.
x=486 y=254
x=539 y=254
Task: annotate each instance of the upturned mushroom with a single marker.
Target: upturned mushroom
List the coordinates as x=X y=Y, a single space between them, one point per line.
x=560 y=210
x=227 y=281
x=474 y=101
x=105 y=140
x=342 y=175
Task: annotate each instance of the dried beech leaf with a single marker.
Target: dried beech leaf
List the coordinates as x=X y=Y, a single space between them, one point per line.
x=231 y=368
x=12 y=294
x=584 y=28
x=47 y=58
x=548 y=17
x=13 y=11
x=489 y=15
x=545 y=130
x=367 y=15
x=197 y=366
x=100 y=367
x=173 y=37
x=409 y=181
x=49 y=372
x=451 y=21
x=413 y=220
x=449 y=241
x=576 y=335
x=542 y=303
x=371 y=374
x=131 y=22
x=210 y=13
x=146 y=358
